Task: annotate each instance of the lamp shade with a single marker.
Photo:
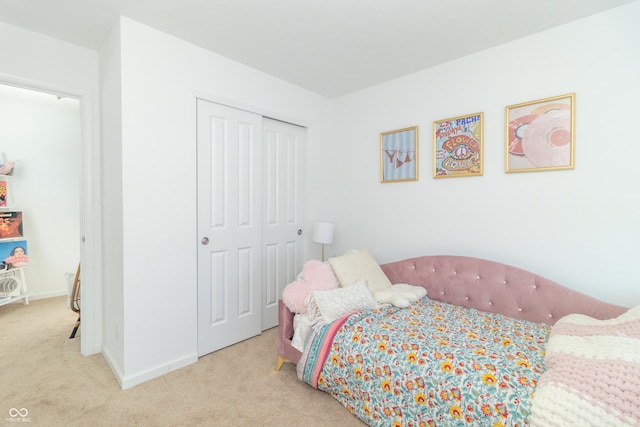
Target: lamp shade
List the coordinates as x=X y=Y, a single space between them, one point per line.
x=323 y=232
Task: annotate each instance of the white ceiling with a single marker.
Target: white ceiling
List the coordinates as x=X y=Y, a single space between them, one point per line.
x=331 y=47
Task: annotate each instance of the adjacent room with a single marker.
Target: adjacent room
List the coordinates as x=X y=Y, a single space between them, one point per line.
x=199 y=137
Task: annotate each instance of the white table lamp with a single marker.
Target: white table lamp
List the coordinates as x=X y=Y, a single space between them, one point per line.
x=323 y=234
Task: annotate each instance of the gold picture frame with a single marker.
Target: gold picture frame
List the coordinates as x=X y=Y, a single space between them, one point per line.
x=458 y=146
x=399 y=155
x=540 y=135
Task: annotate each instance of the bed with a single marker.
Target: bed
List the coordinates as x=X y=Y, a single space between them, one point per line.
x=472 y=351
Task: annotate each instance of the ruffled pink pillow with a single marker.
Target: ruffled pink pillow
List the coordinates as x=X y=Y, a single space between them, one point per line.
x=315 y=275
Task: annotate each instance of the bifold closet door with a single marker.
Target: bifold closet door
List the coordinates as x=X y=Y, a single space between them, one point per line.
x=250 y=219
x=283 y=235
x=230 y=218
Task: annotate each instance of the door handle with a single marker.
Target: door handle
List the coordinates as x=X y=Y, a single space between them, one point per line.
x=205 y=241
x=299 y=231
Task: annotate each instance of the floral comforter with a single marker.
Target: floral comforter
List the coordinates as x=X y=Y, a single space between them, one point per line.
x=430 y=364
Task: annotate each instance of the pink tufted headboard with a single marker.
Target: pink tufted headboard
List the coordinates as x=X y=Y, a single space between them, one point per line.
x=495 y=287
x=478 y=283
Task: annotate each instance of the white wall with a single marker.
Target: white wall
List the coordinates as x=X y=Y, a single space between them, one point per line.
x=43 y=133
x=579 y=227
x=35 y=61
x=111 y=161
x=160 y=77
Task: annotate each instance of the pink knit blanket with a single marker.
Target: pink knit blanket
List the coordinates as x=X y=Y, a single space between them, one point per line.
x=592 y=375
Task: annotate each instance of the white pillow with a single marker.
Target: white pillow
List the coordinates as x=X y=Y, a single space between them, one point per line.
x=400 y=295
x=353 y=267
x=326 y=306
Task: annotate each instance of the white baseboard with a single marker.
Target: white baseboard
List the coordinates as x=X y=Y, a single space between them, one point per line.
x=114 y=368
x=45 y=295
x=149 y=374
x=158 y=371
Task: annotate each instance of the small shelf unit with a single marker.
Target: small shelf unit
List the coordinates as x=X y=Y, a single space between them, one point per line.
x=24 y=293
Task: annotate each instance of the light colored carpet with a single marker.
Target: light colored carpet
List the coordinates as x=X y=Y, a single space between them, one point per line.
x=42 y=371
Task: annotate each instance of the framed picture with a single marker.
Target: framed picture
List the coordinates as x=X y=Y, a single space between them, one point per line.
x=399 y=155
x=10 y=225
x=14 y=253
x=3 y=194
x=540 y=134
x=458 y=147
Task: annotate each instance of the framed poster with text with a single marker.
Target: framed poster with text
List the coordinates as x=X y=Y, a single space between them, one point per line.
x=457 y=146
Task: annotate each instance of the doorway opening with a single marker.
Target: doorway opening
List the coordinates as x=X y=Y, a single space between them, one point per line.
x=45 y=131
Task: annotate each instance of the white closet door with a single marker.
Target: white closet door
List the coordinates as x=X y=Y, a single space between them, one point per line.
x=283 y=152
x=230 y=220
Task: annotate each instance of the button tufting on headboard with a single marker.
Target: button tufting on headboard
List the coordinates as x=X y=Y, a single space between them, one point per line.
x=493 y=286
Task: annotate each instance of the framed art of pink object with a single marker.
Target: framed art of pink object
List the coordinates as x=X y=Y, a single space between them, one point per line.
x=540 y=135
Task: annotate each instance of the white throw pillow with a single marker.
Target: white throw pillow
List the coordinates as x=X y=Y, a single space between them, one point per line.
x=400 y=295
x=326 y=306
x=353 y=267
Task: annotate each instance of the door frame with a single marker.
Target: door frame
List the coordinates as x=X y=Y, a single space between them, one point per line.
x=264 y=112
x=90 y=211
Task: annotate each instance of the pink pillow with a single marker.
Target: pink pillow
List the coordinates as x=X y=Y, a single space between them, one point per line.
x=315 y=275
